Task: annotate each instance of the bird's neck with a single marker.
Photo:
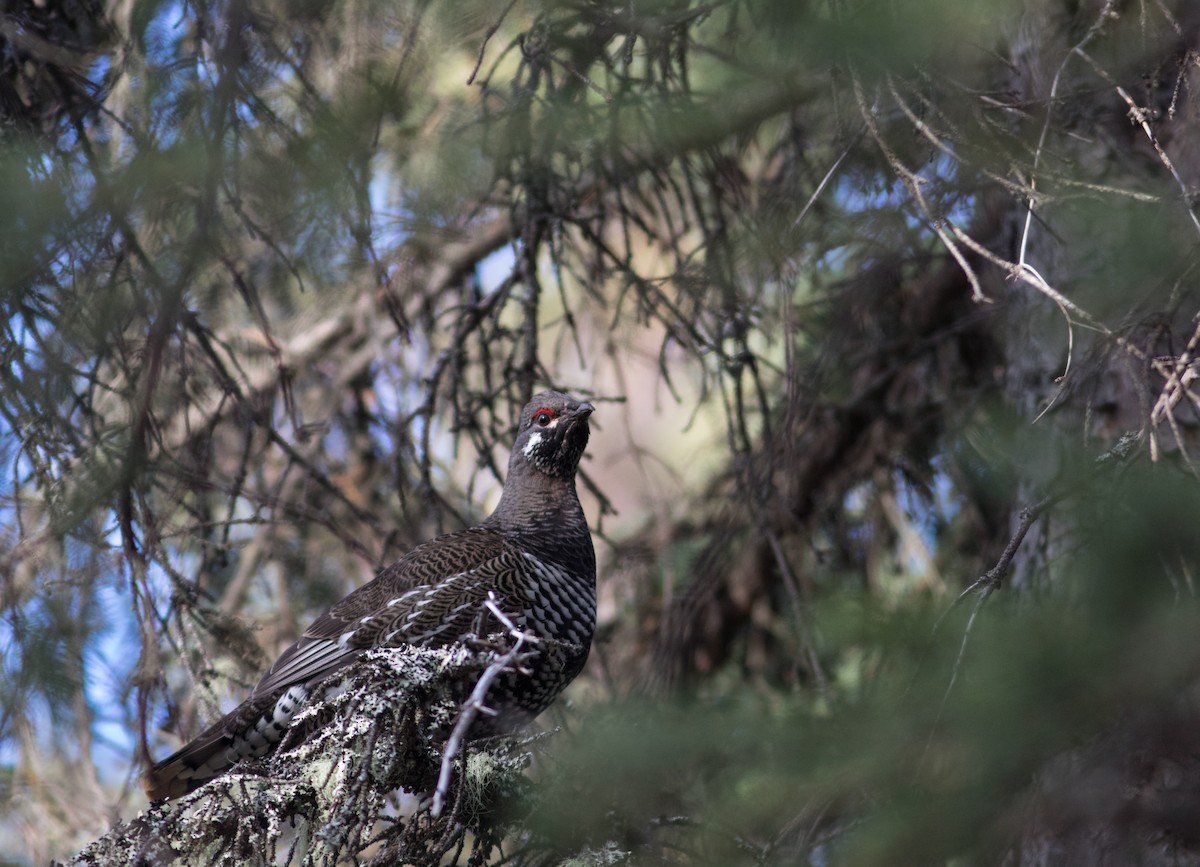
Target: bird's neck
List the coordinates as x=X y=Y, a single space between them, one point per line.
x=537 y=508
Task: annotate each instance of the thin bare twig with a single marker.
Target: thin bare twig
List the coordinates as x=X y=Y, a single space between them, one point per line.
x=986 y=585
x=474 y=704
x=1101 y=18
x=829 y=175
x=1141 y=117
x=913 y=182
x=991 y=580
x=487 y=35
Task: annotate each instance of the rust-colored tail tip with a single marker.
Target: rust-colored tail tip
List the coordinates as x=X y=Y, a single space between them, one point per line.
x=162 y=783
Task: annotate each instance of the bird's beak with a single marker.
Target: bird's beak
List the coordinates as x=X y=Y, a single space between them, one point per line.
x=584 y=410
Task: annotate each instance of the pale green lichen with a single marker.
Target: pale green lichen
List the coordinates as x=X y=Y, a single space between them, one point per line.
x=589 y=857
x=318 y=799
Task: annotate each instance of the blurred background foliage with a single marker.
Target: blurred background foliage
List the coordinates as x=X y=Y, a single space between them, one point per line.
x=889 y=310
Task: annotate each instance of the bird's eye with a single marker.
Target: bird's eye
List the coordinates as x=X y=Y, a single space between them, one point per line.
x=544 y=416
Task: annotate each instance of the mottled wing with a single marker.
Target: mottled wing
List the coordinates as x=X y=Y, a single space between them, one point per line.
x=430 y=596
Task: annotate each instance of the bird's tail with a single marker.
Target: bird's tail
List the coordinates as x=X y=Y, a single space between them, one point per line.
x=249 y=731
x=192 y=766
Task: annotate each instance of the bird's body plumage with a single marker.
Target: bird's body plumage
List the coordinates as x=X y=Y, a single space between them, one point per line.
x=533 y=555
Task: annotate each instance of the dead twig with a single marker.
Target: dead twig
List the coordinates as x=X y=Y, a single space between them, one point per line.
x=991 y=580
x=985 y=585
x=1141 y=116
x=474 y=705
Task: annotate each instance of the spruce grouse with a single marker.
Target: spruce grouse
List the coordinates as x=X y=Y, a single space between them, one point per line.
x=534 y=553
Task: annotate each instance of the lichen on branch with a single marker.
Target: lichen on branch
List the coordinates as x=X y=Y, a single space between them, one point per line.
x=352 y=778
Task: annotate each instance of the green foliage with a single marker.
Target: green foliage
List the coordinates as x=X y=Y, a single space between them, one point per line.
x=925 y=759
x=852 y=283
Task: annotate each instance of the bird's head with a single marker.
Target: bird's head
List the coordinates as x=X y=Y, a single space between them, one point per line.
x=552 y=435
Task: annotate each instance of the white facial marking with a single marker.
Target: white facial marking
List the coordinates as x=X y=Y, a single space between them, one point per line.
x=534 y=441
